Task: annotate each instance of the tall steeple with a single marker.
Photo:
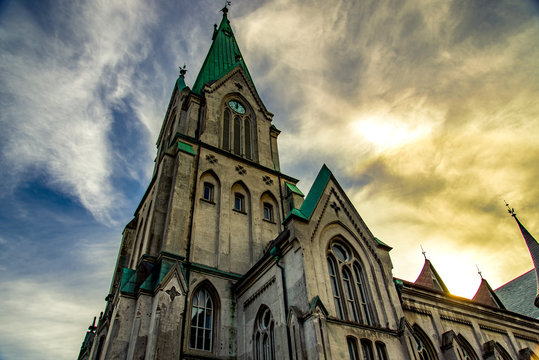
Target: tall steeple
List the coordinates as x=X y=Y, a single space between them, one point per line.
x=223 y=56
x=533 y=247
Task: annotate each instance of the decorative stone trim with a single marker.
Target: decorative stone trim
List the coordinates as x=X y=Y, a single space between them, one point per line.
x=267 y=180
x=489 y=328
x=524 y=337
x=211 y=159
x=258 y=292
x=416 y=310
x=241 y=170
x=454 y=319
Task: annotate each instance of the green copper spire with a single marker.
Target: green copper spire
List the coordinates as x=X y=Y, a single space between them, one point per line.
x=224 y=55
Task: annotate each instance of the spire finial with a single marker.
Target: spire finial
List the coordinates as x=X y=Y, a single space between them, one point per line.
x=423 y=252
x=225 y=9
x=510 y=210
x=479 y=271
x=183 y=70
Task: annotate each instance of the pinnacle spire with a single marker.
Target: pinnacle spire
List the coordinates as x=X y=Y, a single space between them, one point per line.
x=429 y=277
x=533 y=247
x=223 y=56
x=486 y=296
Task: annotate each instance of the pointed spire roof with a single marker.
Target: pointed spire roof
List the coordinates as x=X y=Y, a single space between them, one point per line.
x=429 y=278
x=533 y=248
x=223 y=56
x=486 y=296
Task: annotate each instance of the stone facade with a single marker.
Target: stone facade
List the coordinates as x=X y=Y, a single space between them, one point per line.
x=225 y=258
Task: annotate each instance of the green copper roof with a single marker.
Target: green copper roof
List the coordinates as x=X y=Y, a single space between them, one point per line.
x=224 y=55
x=313 y=196
x=186 y=148
x=293 y=188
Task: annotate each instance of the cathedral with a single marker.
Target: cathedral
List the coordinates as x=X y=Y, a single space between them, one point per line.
x=226 y=258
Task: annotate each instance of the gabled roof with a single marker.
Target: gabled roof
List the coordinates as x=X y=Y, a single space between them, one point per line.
x=314 y=195
x=223 y=56
x=486 y=296
x=429 y=278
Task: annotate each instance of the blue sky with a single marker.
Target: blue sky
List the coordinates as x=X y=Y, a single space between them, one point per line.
x=426 y=111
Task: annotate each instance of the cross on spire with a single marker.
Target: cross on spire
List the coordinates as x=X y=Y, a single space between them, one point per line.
x=479 y=271
x=423 y=252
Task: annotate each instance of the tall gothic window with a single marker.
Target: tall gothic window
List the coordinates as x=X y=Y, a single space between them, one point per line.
x=265 y=336
x=237 y=129
x=424 y=347
x=350 y=291
x=202 y=314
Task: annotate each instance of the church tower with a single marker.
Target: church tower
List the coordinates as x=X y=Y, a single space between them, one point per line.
x=216 y=199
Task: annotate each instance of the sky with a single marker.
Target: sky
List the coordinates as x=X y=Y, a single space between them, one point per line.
x=426 y=111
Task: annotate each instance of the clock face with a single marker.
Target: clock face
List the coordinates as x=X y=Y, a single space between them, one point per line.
x=236 y=106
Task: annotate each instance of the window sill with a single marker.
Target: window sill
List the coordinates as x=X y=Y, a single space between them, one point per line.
x=240 y=211
x=207 y=201
x=269 y=221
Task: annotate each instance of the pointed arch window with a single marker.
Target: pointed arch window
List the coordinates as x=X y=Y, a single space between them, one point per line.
x=350 y=292
x=238 y=129
x=226 y=130
x=202 y=320
x=264 y=336
x=467 y=352
x=423 y=346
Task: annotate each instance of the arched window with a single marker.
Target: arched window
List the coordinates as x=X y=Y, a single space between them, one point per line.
x=226 y=130
x=352 y=348
x=264 y=335
x=237 y=136
x=467 y=352
x=350 y=293
x=238 y=129
x=202 y=321
x=424 y=347
x=366 y=349
x=381 y=351
x=247 y=137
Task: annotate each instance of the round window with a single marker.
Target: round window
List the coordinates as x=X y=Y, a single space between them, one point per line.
x=265 y=319
x=340 y=252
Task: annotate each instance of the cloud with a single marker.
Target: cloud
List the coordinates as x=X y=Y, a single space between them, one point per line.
x=425 y=110
x=60 y=85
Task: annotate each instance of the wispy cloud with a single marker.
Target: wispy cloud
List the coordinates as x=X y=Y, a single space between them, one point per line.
x=59 y=87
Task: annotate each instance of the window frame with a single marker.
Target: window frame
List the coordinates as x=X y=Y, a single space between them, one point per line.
x=211 y=189
x=366 y=349
x=239 y=203
x=264 y=335
x=194 y=329
x=238 y=129
x=268 y=215
x=351 y=293
x=353 y=351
